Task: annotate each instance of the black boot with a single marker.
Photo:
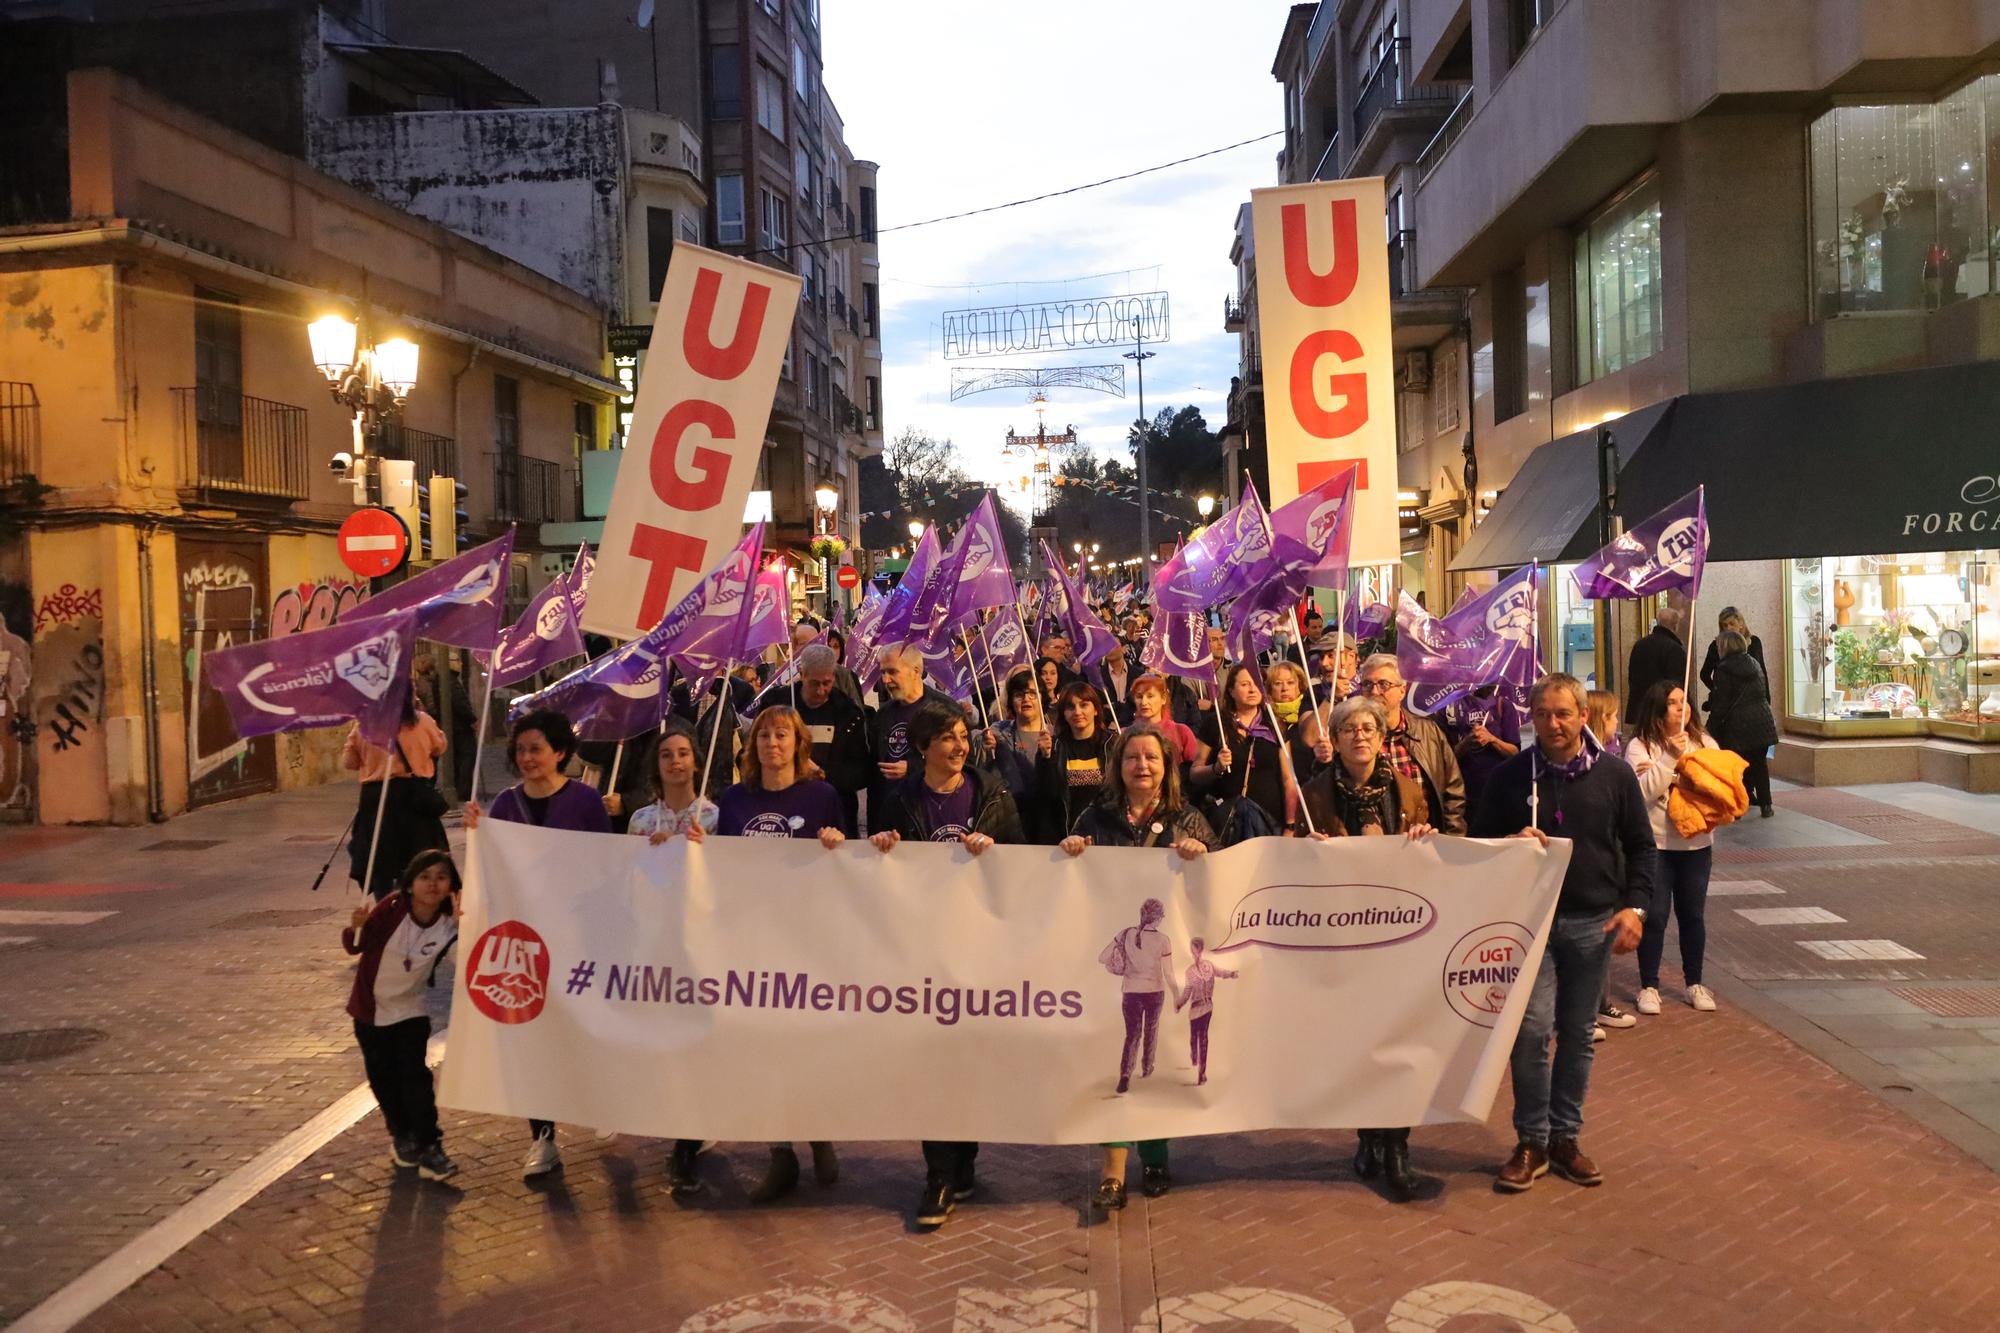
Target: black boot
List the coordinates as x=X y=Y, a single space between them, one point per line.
x=683 y=1172
x=781 y=1179
x=1398 y=1181
x=1367 y=1156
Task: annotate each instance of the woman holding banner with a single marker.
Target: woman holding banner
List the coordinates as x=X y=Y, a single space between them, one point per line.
x=1362 y=795
x=945 y=801
x=1242 y=754
x=543 y=743
x=1142 y=806
x=781 y=795
x=1072 y=772
x=1018 y=745
x=676 y=806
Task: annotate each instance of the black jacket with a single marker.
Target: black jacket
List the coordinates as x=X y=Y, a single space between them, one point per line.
x=1052 y=774
x=1708 y=664
x=993 y=811
x=1613 y=860
x=1658 y=656
x=1107 y=827
x=848 y=760
x=1739 y=715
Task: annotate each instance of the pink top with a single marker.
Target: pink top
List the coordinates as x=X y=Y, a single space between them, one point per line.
x=422 y=742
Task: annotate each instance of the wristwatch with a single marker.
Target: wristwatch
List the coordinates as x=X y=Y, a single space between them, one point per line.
x=1639 y=910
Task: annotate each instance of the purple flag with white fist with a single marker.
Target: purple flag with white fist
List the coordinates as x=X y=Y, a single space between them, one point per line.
x=547 y=631
x=459 y=602
x=1223 y=561
x=1091 y=640
x=358 y=670
x=1177 y=645
x=861 y=642
x=1310 y=538
x=1489 y=637
x=1666 y=552
x=1002 y=646
x=1364 y=622
x=767 y=627
x=611 y=698
x=974 y=574
x=899 y=623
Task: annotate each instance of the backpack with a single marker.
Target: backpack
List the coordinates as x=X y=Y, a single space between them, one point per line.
x=1237 y=820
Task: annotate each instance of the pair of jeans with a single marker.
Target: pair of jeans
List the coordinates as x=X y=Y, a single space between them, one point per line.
x=946 y=1160
x=400 y=1080
x=1683 y=893
x=1142 y=1014
x=1549 y=1093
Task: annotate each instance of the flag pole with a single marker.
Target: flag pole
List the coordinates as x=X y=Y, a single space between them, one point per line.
x=985 y=717
x=485 y=715
x=715 y=737
x=617 y=758
x=1285 y=763
x=375 y=835
x=992 y=673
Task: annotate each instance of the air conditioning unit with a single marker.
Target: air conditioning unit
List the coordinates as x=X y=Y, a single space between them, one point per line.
x=1414 y=374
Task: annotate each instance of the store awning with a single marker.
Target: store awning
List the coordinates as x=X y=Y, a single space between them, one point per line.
x=1548 y=512
x=1863 y=465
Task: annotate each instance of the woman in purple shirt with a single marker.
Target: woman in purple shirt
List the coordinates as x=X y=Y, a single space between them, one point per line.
x=782 y=795
x=542 y=745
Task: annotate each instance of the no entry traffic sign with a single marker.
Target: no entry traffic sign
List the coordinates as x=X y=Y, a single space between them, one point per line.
x=848 y=577
x=373 y=542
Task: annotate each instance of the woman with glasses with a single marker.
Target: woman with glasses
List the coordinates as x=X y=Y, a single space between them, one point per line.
x=1416 y=746
x=1362 y=795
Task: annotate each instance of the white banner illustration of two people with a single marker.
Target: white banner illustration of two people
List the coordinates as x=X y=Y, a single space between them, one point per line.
x=1143 y=957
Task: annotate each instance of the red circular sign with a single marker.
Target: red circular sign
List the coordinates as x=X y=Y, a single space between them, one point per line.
x=848 y=577
x=374 y=542
x=507 y=973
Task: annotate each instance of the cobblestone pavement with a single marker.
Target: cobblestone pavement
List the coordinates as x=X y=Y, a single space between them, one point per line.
x=1752 y=1184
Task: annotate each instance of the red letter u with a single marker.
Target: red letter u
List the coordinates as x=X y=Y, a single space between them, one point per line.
x=1337 y=283
x=726 y=363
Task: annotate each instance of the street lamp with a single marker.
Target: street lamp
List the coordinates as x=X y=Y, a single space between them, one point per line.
x=1205 y=506
x=916 y=531
x=826 y=498
x=371 y=380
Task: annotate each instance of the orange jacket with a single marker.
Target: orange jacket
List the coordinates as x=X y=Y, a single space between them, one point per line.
x=1708 y=791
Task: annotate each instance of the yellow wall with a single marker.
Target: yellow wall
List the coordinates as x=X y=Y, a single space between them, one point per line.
x=308 y=585
x=76 y=692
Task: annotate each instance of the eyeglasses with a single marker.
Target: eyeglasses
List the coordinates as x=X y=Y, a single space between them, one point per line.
x=1376 y=686
x=1369 y=729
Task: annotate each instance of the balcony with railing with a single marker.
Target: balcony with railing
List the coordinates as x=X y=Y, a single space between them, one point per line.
x=1387 y=92
x=1232 y=314
x=20 y=433
x=1447 y=135
x=529 y=490
x=434 y=455
x=1320 y=29
x=235 y=445
x=1328 y=167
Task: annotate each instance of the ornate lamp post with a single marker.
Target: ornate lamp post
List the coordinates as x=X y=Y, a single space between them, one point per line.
x=371 y=380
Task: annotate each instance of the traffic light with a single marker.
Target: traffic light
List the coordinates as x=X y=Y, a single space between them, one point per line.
x=444 y=513
x=400 y=497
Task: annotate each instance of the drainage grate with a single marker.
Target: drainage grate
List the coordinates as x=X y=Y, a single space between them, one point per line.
x=45 y=1043
x=182 y=845
x=1952 y=1001
x=301 y=916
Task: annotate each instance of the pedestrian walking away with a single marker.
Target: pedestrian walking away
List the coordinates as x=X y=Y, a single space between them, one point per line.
x=1740 y=715
x=401 y=942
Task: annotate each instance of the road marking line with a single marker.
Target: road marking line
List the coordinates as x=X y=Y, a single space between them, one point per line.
x=11 y=917
x=17 y=939
x=1730 y=888
x=1790 y=916
x=107 y=1279
x=1860 y=951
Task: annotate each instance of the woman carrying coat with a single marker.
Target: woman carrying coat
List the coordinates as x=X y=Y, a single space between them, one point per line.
x=1739 y=714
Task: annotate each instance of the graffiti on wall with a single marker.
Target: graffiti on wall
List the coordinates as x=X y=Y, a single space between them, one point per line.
x=311 y=606
x=68 y=604
x=76 y=704
x=17 y=726
x=223 y=592
x=67 y=699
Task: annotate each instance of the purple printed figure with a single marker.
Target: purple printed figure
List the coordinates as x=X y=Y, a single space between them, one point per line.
x=1199 y=992
x=1141 y=955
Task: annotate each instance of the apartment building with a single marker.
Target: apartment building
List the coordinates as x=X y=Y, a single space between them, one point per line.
x=1747 y=245
x=165 y=436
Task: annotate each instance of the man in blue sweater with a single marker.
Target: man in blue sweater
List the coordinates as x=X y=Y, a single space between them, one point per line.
x=1565 y=786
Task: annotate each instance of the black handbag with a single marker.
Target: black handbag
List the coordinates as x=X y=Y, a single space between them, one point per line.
x=421 y=794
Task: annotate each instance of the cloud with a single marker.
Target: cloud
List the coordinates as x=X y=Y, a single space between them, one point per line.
x=966 y=106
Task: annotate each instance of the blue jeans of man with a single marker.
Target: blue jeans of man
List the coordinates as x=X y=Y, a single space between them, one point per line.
x=1549 y=1093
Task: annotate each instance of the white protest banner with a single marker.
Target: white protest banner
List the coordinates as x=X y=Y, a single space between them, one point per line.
x=768 y=989
x=1323 y=325
x=718 y=345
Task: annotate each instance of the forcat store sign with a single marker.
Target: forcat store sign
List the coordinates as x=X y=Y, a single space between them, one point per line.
x=1323 y=320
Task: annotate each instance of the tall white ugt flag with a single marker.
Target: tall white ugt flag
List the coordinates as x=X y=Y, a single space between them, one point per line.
x=770 y=989
x=1323 y=324
x=698 y=424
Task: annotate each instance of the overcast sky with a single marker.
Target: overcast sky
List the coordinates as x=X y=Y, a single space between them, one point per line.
x=965 y=105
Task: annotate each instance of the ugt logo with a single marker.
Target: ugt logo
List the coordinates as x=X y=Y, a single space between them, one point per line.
x=1677 y=546
x=1513 y=617
x=507 y=973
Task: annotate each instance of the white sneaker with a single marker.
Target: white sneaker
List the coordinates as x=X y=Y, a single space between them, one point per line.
x=1649 y=1000
x=543 y=1157
x=1597 y=1034
x=1702 y=998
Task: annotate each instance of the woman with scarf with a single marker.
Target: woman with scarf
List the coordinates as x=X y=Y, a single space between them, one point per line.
x=1141 y=806
x=1071 y=774
x=1243 y=756
x=1311 y=748
x=1362 y=795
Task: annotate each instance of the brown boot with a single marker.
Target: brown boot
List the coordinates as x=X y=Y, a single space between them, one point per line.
x=1523 y=1169
x=1568 y=1160
x=781 y=1179
x=826 y=1165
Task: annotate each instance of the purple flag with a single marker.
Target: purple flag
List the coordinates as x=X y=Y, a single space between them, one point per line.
x=767 y=627
x=1004 y=646
x=1222 y=562
x=547 y=631
x=458 y=602
x=861 y=642
x=704 y=634
x=899 y=623
x=1091 y=640
x=950 y=668
x=1364 y=622
x=973 y=575
x=1310 y=537
x=1177 y=645
x=611 y=698
x=1667 y=551
x=358 y=670
x=1491 y=637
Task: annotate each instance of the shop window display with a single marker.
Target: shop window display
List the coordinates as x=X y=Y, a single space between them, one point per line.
x=1895 y=645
